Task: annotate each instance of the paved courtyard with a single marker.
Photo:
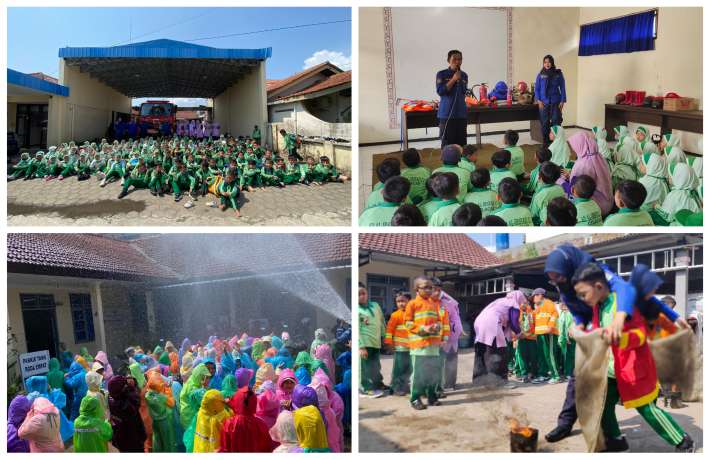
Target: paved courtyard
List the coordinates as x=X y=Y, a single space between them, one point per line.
x=70 y=202
x=475 y=419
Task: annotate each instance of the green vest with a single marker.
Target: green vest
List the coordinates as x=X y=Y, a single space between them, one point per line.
x=588 y=212
x=417 y=178
x=442 y=217
x=514 y=215
x=486 y=199
x=629 y=217
x=378 y=216
x=517 y=160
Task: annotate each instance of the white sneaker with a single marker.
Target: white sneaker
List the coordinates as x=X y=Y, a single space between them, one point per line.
x=211 y=204
x=123 y=180
x=189 y=204
x=103 y=183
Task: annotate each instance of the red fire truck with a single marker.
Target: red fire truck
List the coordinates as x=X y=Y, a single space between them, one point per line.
x=153 y=114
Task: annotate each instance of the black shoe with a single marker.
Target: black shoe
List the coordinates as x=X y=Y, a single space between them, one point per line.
x=440 y=395
x=122 y=194
x=154 y=193
x=686 y=445
x=400 y=393
x=160 y=194
x=616 y=444
x=434 y=402
x=178 y=198
x=418 y=405
x=558 y=434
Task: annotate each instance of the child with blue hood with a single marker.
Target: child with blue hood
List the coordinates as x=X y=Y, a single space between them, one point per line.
x=76 y=380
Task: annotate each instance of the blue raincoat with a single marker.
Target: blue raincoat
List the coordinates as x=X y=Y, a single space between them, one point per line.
x=76 y=380
x=37 y=386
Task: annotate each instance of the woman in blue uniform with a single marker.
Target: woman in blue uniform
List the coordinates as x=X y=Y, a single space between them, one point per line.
x=451 y=86
x=550 y=96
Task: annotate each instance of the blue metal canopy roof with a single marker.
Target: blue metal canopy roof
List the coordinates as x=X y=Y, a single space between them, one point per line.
x=36 y=84
x=165 y=49
x=166 y=68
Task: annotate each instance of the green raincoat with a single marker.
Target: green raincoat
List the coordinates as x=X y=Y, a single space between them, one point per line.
x=195 y=401
x=199 y=374
x=683 y=194
x=55 y=377
x=137 y=373
x=229 y=386
x=91 y=431
x=162 y=415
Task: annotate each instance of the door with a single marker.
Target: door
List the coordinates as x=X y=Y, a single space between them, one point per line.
x=32 y=125
x=40 y=319
x=382 y=289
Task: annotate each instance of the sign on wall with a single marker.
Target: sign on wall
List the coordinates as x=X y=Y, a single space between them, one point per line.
x=35 y=363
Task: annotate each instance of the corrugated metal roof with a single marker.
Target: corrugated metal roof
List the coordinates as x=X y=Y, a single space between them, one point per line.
x=28 y=81
x=164 y=49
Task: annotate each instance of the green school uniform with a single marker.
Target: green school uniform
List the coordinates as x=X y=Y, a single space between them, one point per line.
x=514 y=215
x=464 y=179
x=157 y=180
x=250 y=178
x=588 y=212
x=378 y=216
x=498 y=174
x=517 y=160
x=376 y=198
x=534 y=183
x=538 y=205
x=290 y=174
x=467 y=164
x=443 y=216
x=629 y=217
x=417 y=178
x=269 y=176
x=232 y=189
x=428 y=208
x=485 y=198
x=325 y=173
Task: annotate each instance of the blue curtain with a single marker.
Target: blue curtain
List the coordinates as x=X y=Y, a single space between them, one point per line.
x=621 y=35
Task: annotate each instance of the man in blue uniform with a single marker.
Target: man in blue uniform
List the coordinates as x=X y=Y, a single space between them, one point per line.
x=451 y=84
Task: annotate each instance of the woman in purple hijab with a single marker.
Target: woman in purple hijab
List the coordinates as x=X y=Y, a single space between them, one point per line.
x=243 y=376
x=494 y=328
x=16 y=414
x=591 y=163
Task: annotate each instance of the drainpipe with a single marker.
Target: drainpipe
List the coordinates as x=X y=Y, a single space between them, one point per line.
x=100 y=315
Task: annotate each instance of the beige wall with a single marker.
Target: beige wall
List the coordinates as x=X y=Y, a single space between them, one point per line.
x=243 y=105
x=675 y=65
x=65 y=328
x=390 y=269
x=86 y=113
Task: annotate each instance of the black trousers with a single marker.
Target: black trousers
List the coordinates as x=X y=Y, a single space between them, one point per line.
x=490 y=360
x=550 y=115
x=453 y=132
x=568 y=414
x=451 y=364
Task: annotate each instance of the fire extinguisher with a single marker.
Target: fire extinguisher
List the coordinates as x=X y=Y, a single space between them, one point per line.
x=482 y=91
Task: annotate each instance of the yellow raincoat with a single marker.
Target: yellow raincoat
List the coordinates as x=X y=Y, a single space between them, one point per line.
x=310 y=429
x=210 y=418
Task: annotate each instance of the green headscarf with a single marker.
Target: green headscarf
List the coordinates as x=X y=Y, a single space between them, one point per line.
x=55 y=376
x=559 y=148
x=673 y=151
x=158 y=351
x=86 y=355
x=164 y=358
x=602 y=144
x=304 y=359
x=683 y=194
x=654 y=181
x=229 y=386
x=137 y=373
x=257 y=350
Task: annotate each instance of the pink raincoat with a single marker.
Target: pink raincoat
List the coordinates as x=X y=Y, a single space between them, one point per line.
x=280 y=393
x=268 y=404
x=590 y=162
x=324 y=353
x=41 y=427
x=328 y=402
x=493 y=322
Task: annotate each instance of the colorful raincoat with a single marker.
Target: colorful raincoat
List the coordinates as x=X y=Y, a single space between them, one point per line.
x=244 y=432
x=161 y=404
x=103 y=359
x=41 y=427
x=16 y=414
x=310 y=430
x=199 y=375
x=210 y=418
x=76 y=380
x=284 y=432
x=91 y=430
x=124 y=401
x=268 y=404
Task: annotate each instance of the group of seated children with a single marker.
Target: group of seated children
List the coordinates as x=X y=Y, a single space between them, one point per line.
x=632 y=184
x=222 y=167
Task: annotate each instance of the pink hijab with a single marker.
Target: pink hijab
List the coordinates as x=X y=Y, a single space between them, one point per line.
x=590 y=162
x=268 y=404
x=103 y=359
x=285 y=374
x=334 y=430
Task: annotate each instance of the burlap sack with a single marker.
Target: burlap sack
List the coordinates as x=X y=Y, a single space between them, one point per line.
x=590 y=370
x=676 y=360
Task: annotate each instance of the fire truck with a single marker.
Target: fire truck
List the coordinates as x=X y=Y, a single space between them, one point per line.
x=153 y=114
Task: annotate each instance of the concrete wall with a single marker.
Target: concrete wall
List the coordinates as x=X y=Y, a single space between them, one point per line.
x=86 y=113
x=65 y=327
x=675 y=65
x=243 y=105
x=294 y=117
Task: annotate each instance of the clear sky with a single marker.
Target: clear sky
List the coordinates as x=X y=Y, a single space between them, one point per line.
x=36 y=34
x=488 y=240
